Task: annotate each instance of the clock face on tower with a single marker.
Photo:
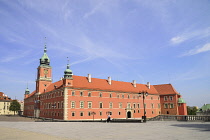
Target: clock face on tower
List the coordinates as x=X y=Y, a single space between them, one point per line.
x=45 y=71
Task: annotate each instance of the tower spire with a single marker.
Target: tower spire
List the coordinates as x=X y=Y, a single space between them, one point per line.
x=68 y=63
x=68 y=73
x=44 y=60
x=27 y=91
x=45 y=45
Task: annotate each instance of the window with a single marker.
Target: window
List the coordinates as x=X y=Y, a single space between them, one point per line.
x=110 y=113
x=58 y=105
x=171 y=98
x=152 y=112
x=72 y=104
x=138 y=111
x=119 y=113
x=81 y=113
x=152 y=105
x=100 y=94
x=158 y=105
x=89 y=94
x=89 y=113
x=62 y=104
x=120 y=105
x=72 y=113
x=145 y=105
x=110 y=105
x=134 y=111
x=81 y=93
x=100 y=113
x=81 y=104
x=128 y=105
x=134 y=105
x=100 y=105
x=165 y=105
x=128 y=96
x=138 y=105
x=73 y=93
x=118 y=96
x=122 y=96
x=151 y=98
x=171 y=105
x=89 y=104
x=179 y=104
x=165 y=98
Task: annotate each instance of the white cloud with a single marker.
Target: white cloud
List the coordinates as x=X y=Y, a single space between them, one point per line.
x=185 y=36
x=198 y=50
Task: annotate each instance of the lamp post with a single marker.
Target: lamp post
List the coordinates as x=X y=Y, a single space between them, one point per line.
x=93 y=113
x=144 y=93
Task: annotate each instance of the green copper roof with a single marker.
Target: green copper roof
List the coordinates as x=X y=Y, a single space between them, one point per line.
x=68 y=73
x=205 y=107
x=181 y=100
x=67 y=69
x=27 y=91
x=45 y=60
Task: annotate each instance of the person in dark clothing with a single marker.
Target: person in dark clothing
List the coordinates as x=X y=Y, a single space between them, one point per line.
x=109 y=118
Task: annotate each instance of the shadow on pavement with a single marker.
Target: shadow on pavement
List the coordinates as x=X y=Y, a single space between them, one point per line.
x=201 y=127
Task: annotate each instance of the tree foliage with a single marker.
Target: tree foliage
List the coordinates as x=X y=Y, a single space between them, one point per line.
x=191 y=110
x=14 y=106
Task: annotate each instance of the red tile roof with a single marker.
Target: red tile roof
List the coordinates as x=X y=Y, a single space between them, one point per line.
x=52 y=86
x=165 y=89
x=102 y=84
x=81 y=82
x=4 y=97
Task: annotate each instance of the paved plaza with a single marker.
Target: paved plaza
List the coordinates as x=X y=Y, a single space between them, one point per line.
x=165 y=130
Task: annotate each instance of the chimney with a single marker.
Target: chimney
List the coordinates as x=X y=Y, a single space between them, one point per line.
x=148 y=85
x=109 y=80
x=89 y=78
x=134 y=83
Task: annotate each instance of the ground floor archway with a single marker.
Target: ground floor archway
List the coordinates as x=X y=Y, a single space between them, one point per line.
x=128 y=114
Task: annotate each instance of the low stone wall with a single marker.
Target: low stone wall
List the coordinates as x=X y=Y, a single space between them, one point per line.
x=205 y=118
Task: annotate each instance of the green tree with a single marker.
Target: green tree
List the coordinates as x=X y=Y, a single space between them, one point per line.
x=14 y=106
x=191 y=110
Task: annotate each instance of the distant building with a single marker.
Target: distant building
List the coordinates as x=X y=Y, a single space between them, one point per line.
x=79 y=98
x=20 y=112
x=5 y=104
x=204 y=110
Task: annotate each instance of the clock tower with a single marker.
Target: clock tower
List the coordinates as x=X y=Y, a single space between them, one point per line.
x=44 y=73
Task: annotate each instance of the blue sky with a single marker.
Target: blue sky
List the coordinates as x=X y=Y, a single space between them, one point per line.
x=160 y=42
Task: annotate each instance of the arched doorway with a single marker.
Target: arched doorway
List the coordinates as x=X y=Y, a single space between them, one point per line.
x=128 y=114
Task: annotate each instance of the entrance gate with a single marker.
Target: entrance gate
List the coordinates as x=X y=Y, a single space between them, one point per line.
x=128 y=114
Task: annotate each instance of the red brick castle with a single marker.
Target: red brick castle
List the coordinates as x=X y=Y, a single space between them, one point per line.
x=79 y=98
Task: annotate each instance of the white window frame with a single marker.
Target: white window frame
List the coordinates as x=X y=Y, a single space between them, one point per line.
x=165 y=98
x=73 y=104
x=89 y=104
x=81 y=104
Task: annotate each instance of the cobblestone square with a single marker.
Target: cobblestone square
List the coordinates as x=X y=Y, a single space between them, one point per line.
x=170 y=130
